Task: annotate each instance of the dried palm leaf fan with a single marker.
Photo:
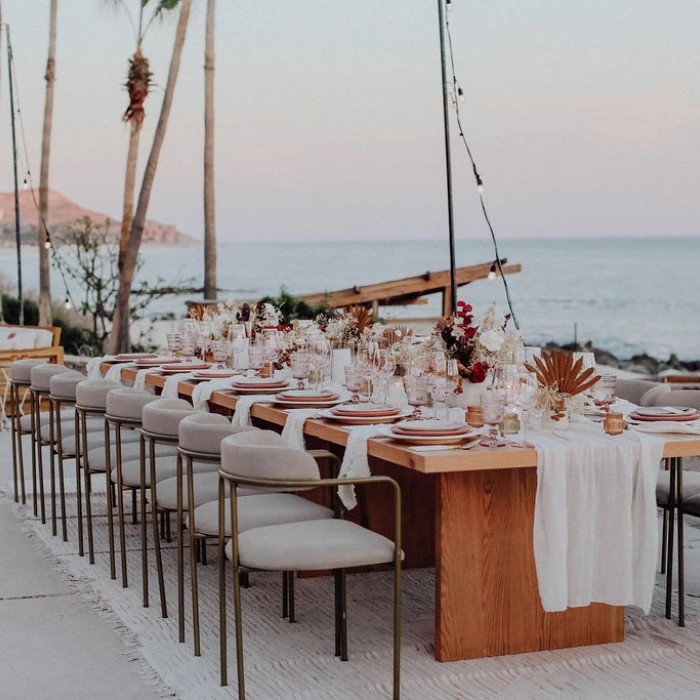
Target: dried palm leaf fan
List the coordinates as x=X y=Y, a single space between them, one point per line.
x=396 y=334
x=362 y=316
x=561 y=377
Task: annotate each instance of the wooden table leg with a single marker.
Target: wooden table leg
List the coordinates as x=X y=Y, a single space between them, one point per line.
x=487 y=600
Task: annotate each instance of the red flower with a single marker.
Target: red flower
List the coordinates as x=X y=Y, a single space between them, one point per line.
x=478 y=373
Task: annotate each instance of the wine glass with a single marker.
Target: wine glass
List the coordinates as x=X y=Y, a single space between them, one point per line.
x=219 y=350
x=525 y=400
x=271 y=344
x=493 y=404
x=256 y=358
x=301 y=366
x=173 y=342
x=384 y=368
x=416 y=386
x=353 y=381
x=188 y=345
x=604 y=391
x=204 y=337
x=321 y=354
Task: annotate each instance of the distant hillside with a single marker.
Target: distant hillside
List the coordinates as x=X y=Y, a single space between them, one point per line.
x=62 y=215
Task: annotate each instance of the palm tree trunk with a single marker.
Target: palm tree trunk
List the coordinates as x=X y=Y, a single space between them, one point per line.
x=209 y=203
x=45 y=315
x=126 y=274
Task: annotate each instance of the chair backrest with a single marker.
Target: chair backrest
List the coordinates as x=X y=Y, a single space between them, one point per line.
x=682 y=397
x=163 y=416
x=263 y=455
x=632 y=390
x=203 y=432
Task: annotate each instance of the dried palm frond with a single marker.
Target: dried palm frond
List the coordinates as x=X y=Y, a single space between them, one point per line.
x=138 y=83
x=197 y=312
x=396 y=334
x=362 y=316
x=557 y=370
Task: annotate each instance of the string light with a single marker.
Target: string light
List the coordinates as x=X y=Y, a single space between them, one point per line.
x=68 y=303
x=26 y=184
x=47 y=245
x=448 y=4
x=492 y=272
x=460 y=94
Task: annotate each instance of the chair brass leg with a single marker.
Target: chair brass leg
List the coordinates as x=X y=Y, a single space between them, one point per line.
x=61 y=473
x=88 y=487
x=14 y=435
x=397 y=628
x=285 y=595
x=144 y=529
x=343 y=617
x=134 y=508
x=52 y=472
x=180 y=555
x=223 y=660
x=40 y=461
x=120 y=502
x=193 y=559
x=78 y=488
x=669 y=558
x=681 y=572
x=239 y=630
x=664 y=540
x=337 y=612
x=18 y=437
x=156 y=537
x=32 y=412
x=110 y=504
x=290 y=576
x=203 y=551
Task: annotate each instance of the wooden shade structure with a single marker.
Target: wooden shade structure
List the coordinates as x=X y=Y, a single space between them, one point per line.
x=409 y=290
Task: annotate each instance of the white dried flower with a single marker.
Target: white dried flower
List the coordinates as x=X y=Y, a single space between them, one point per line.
x=492 y=340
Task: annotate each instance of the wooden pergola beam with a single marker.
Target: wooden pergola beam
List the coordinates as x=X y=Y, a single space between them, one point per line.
x=407 y=290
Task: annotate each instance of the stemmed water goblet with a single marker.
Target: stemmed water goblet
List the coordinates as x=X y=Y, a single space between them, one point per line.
x=604 y=391
x=219 y=351
x=204 y=338
x=173 y=342
x=354 y=379
x=416 y=386
x=239 y=342
x=271 y=344
x=493 y=404
x=256 y=358
x=321 y=353
x=301 y=367
x=384 y=369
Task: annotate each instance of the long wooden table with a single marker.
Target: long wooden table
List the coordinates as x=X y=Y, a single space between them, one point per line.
x=469 y=514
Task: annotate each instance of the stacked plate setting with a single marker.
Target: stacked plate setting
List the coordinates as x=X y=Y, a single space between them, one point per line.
x=665 y=413
x=307 y=398
x=259 y=385
x=430 y=432
x=133 y=356
x=365 y=414
x=182 y=367
x=216 y=373
x=155 y=361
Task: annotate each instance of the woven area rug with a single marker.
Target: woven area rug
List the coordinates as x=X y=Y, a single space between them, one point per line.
x=657 y=660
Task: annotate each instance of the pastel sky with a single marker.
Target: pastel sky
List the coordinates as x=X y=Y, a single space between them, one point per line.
x=584 y=116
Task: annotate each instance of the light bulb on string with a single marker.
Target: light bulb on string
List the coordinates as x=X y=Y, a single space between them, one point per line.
x=448 y=4
x=68 y=304
x=492 y=272
x=47 y=245
x=25 y=184
x=460 y=94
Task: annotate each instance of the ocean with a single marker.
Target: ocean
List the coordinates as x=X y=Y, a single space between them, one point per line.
x=626 y=295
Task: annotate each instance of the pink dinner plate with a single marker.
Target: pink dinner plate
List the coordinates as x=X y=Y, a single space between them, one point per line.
x=682 y=417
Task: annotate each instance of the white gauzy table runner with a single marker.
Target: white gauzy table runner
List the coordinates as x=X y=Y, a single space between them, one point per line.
x=595 y=529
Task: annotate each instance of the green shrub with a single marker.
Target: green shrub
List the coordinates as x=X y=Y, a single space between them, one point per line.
x=10 y=311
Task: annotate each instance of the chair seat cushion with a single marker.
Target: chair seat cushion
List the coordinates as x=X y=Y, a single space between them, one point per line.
x=166 y=468
x=95 y=439
x=127 y=403
x=41 y=375
x=259 y=511
x=312 y=545
x=97 y=457
x=63 y=386
x=67 y=421
x=21 y=370
x=163 y=416
x=92 y=393
x=691 y=486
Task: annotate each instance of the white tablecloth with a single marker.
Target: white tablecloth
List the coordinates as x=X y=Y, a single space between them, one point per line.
x=595 y=529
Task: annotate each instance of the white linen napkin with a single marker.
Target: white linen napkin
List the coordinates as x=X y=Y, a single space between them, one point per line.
x=140 y=379
x=203 y=391
x=241 y=416
x=171 y=384
x=114 y=373
x=595 y=526
x=293 y=431
x=691 y=427
x=93 y=366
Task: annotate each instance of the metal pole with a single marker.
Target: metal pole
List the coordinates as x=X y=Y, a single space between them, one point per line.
x=448 y=160
x=14 y=159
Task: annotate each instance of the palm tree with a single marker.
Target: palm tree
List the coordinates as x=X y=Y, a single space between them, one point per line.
x=138 y=84
x=209 y=206
x=120 y=328
x=45 y=314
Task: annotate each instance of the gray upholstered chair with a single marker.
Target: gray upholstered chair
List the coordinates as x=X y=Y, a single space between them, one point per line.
x=161 y=420
x=199 y=447
x=39 y=390
x=124 y=415
x=90 y=402
x=633 y=390
x=318 y=544
x=20 y=379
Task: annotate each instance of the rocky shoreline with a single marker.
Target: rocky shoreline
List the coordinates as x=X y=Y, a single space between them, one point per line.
x=640 y=364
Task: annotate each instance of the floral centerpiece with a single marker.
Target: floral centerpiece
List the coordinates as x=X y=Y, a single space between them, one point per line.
x=481 y=347
x=346 y=325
